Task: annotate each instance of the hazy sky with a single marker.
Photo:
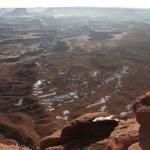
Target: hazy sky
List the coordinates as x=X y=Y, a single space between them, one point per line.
x=61 y=3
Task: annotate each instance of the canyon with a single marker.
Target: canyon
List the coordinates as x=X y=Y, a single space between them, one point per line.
x=64 y=74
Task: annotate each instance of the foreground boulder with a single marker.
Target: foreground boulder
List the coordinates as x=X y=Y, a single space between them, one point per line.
x=125 y=134
x=99 y=145
x=89 y=126
x=141 y=107
x=134 y=134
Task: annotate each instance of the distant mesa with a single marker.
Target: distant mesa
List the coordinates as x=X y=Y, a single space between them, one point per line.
x=4 y=11
x=18 y=12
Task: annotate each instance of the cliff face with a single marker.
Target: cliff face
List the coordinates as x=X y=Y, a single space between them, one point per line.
x=99 y=131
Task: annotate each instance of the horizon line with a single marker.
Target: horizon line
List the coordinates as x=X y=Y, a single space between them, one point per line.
x=115 y=7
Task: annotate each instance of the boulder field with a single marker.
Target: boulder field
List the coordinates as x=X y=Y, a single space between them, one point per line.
x=99 y=131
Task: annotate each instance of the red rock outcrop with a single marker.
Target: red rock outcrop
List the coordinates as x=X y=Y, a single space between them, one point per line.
x=131 y=135
x=56 y=148
x=81 y=129
x=105 y=135
x=12 y=147
x=141 y=106
x=100 y=145
x=144 y=145
x=125 y=134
